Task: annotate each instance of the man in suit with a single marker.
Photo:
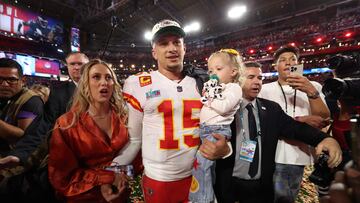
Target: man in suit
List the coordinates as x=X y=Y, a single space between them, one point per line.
x=246 y=176
x=37 y=132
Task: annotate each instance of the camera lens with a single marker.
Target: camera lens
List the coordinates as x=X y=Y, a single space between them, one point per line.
x=335 y=62
x=322 y=175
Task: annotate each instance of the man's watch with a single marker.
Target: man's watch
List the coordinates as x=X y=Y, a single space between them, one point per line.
x=314 y=95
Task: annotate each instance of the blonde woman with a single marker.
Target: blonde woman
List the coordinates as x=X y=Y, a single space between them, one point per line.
x=86 y=139
x=42 y=91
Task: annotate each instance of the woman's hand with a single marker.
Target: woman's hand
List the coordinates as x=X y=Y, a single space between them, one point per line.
x=113 y=191
x=121 y=181
x=108 y=193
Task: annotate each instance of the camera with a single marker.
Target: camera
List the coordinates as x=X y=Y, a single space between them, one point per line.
x=297 y=69
x=346 y=89
x=293 y=69
x=346 y=85
x=322 y=175
x=345 y=66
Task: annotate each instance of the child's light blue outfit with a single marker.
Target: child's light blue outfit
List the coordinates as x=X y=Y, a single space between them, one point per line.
x=221 y=102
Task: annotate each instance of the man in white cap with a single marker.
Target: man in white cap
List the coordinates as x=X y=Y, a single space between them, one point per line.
x=164 y=108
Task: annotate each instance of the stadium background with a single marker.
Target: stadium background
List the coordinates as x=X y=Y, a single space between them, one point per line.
x=320 y=28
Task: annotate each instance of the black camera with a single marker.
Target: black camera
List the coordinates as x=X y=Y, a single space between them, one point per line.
x=346 y=85
x=347 y=89
x=322 y=175
x=345 y=66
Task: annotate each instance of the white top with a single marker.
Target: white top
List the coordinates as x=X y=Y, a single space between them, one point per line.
x=291 y=151
x=166 y=114
x=221 y=111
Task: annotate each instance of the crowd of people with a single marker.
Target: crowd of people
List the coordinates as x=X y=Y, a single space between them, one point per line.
x=194 y=135
x=302 y=31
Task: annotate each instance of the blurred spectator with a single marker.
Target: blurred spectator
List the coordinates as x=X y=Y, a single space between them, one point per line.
x=298 y=97
x=30 y=153
x=22 y=107
x=42 y=91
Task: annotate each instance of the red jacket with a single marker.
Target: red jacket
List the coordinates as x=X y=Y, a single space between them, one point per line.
x=78 y=155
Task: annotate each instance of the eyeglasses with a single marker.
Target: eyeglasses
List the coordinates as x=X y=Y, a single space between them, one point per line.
x=9 y=80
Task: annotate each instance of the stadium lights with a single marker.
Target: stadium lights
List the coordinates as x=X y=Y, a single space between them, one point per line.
x=236 y=12
x=193 y=27
x=348 y=34
x=148 y=35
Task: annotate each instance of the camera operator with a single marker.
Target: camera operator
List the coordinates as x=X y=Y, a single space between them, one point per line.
x=346 y=186
x=344 y=89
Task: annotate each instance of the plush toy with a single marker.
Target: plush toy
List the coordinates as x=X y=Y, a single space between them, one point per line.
x=212 y=90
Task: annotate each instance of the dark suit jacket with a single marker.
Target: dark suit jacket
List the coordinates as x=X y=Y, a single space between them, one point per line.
x=56 y=105
x=274 y=122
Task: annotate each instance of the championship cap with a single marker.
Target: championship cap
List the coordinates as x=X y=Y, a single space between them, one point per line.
x=166 y=27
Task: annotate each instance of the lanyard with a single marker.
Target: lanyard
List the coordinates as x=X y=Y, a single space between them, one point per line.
x=286 y=106
x=258 y=130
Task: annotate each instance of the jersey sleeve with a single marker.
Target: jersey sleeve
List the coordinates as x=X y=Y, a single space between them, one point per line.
x=129 y=152
x=232 y=98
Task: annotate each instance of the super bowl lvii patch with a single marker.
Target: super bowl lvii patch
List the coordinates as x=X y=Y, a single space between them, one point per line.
x=152 y=94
